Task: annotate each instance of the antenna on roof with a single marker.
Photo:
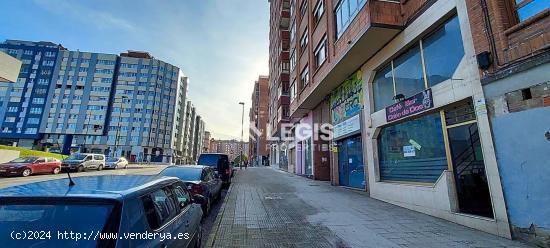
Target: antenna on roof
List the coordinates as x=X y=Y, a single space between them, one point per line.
x=71 y=183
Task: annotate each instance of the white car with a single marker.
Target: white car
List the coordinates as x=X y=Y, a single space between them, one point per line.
x=115 y=163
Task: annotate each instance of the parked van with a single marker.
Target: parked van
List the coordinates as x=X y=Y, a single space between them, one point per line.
x=220 y=163
x=82 y=161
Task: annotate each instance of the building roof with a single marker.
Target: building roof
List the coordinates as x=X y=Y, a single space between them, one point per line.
x=106 y=187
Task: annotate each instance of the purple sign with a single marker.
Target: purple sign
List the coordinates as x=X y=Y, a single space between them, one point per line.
x=410 y=106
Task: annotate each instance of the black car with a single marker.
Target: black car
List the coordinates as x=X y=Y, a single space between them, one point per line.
x=200 y=180
x=220 y=163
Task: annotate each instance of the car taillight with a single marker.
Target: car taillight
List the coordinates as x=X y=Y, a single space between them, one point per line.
x=196 y=189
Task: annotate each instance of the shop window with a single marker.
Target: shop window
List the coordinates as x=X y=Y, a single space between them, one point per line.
x=409 y=76
x=413 y=151
x=383 y=88
x=529 y=8
x=443 y=51
x=408 y=73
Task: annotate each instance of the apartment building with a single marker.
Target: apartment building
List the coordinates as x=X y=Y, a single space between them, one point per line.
x=23 y=102
x=279 y=63
x=206 y=142
x=198 y=137
x=131 y=104
x=232 y=148
x=78 y=102
x=512 y=47
x=399 y=83
x=258 y=152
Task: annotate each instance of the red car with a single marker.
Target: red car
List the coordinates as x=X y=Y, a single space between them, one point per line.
x=30 y=165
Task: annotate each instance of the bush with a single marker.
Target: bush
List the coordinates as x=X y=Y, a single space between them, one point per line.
x=23 y=152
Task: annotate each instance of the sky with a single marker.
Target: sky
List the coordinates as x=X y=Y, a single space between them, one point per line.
x=221 y=45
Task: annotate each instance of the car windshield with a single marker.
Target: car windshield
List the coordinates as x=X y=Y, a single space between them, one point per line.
x=112 y=159
x=24 y=160
x=209 y=160
x=53 y=219
x=77 y=157
x=185 y=174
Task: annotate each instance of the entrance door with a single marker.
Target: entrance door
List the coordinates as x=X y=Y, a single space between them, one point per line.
x=350 y=162
x=307 y=150
x=467 y=159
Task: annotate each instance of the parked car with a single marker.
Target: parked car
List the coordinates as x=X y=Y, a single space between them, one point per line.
x=112 y=205
x=200 y=180
x=115 y=163
x=83 y=161
x=220 y=163
x=30 y=165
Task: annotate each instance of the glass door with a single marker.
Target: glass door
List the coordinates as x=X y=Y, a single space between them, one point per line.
x=467 y=161
x=350 y=163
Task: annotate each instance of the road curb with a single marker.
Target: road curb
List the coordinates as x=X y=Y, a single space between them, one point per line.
x=216 y=226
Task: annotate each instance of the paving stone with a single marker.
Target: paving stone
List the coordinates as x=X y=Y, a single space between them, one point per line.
x=268 y=208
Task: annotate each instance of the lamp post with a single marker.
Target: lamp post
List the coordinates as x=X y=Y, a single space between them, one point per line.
x=242 y=133
x=118 y=123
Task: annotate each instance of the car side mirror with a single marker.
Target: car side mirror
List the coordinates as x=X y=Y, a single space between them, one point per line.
x=199 y=199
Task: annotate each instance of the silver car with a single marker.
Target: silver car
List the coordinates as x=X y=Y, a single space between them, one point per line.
x=115 y=163
x=83 y=161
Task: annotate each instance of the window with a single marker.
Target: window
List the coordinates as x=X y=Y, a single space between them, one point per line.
x=303 y=8
x=304 y=76
x=159 y=208
x=9 y=119
x=292 y=60
x=48 y=63
x=345 y=12
x=407 y=70
x=32 y=130
x=43 y=81
x=406 y=74
x=529 y=8
x=401 y=160
x=13 y=109
x=36 y=111
x=183 y=196
x=318 y=11
x=33 y=121
x=443 y=51
x=293 y=90
x=292 y=31
x=38 y=100
x=303 y=41
x=321 y=52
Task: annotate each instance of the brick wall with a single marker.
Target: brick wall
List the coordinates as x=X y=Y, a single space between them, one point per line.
x=495 y=28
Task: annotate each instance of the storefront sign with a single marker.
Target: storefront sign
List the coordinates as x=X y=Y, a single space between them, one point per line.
x=410 y=106
x=348 y=126
x=347 y=100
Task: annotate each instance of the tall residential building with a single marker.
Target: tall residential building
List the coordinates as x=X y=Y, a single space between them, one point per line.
x=23 y=103
x=279 y=65
x=398 y=83
x=198 y=138
x=78 y=102
x=258 y=152
x=130 y=105
x=206 y=142
x=232 y=148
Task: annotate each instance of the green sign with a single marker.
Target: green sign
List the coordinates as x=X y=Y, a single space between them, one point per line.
x=347 y=100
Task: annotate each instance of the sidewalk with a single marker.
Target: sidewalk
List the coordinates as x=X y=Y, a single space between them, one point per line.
x=269 y=208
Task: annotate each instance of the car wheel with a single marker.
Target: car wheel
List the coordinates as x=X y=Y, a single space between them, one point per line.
x=100 y=167
x=198 y=242
x=116 y=167
x=80 y=168
x=27 y=172
x=206 y=208
x=126 y=166
x=56 y=170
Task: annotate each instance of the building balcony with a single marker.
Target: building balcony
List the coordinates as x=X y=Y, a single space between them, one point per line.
x=373 y=27
x=284 y=21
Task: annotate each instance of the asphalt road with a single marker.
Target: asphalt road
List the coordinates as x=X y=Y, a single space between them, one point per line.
x=131 y=170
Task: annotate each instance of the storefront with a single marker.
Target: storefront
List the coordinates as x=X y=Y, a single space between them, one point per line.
x=346 y=104
x=428 y=141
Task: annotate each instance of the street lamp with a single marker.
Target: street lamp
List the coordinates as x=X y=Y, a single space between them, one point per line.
x=242 y=133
